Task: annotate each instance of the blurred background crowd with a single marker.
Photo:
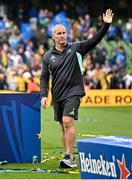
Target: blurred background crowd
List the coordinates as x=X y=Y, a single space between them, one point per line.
x=25 y=35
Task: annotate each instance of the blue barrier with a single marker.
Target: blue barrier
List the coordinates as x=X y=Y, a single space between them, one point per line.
x=19 y=127
x=105 y=158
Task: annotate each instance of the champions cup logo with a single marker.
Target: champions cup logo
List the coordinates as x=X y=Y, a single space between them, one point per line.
x=19 y=127
x=103 y=167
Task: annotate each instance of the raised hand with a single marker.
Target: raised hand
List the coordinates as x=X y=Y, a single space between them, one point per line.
x=108 y=16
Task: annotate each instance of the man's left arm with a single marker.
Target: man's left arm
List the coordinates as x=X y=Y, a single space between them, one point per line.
x=84 y=46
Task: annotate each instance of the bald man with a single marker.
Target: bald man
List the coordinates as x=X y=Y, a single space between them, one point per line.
x=63 y=63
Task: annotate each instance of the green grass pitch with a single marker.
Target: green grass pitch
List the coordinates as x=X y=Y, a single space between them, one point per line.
x=92 y=122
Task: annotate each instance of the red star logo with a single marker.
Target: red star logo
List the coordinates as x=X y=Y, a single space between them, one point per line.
x=124 y=172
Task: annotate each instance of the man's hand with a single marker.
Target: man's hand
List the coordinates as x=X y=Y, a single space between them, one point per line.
x=108 y=16
x=44 y=102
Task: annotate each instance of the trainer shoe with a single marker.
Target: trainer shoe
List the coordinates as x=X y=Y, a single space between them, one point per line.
x=68 y=162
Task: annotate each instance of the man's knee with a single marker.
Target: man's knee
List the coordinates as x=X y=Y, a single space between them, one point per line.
x=68 y=122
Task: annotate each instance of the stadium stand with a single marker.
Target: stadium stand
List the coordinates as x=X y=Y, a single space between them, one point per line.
x=24 y=41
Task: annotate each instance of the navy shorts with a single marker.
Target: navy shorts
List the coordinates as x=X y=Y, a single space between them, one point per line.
x=67 y=107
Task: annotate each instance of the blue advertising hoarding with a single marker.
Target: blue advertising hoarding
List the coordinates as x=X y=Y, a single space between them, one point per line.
x=105 y=158
x=20 y=127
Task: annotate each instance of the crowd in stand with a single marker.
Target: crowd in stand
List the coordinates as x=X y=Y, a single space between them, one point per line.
x=23 y=44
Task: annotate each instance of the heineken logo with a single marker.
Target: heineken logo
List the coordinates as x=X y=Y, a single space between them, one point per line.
x=97 y=166
x=103 y=167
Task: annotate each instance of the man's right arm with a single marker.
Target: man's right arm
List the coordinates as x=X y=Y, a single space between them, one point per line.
x=44 y=81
